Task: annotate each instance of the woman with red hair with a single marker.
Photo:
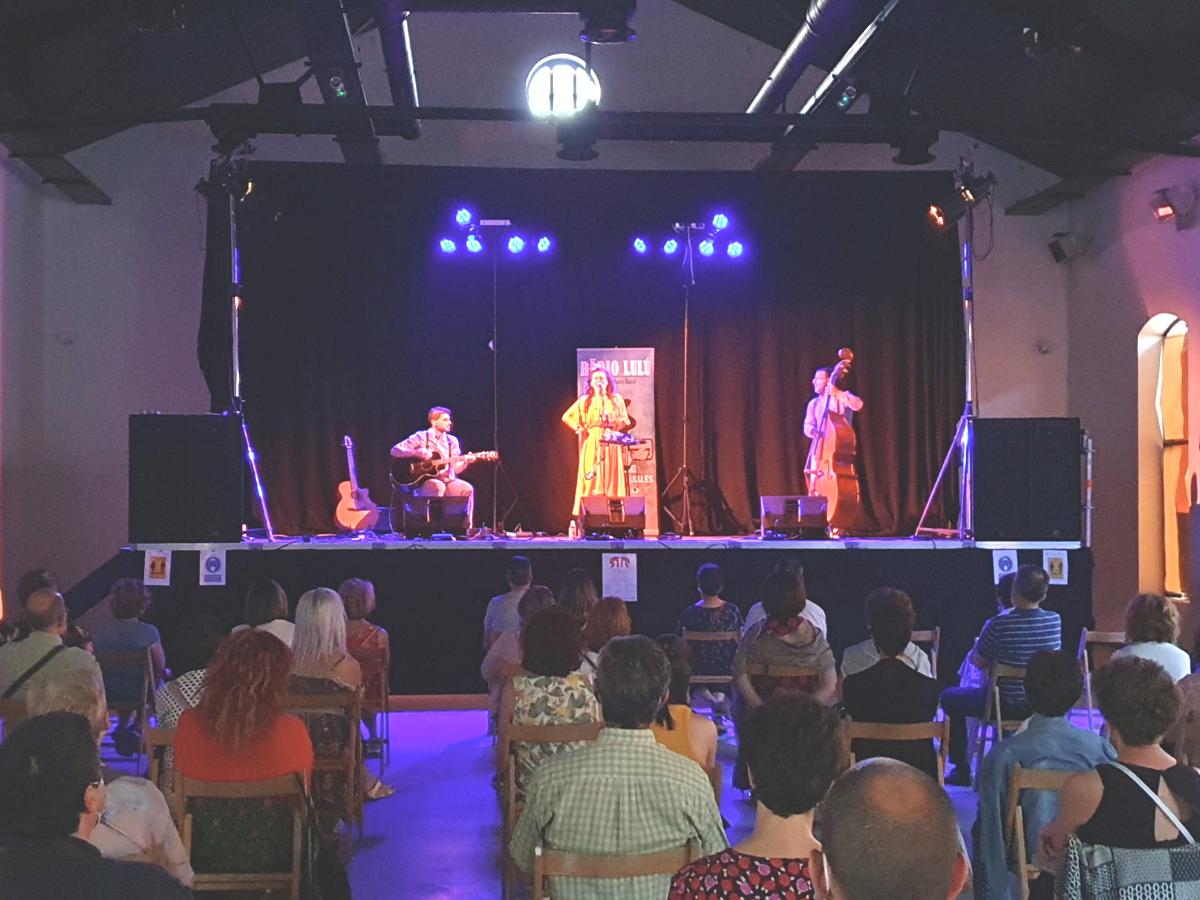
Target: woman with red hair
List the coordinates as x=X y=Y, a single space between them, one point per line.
x=602 y=471
x=237 y=732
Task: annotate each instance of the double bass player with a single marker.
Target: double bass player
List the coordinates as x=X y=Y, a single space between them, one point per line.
x=840 y=402
x=829 y=470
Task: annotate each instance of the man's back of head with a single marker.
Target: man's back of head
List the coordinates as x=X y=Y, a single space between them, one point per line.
x=46 y=611
x=888 y=832
x=1029 y=587
x=1053 y=682
x=632 y=677
x=520 y=572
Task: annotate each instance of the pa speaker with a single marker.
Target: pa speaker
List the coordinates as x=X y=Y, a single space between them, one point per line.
x=793 y=516
x=1027 y=479
x=185 y=479
x=424 y=515
x=618 y=516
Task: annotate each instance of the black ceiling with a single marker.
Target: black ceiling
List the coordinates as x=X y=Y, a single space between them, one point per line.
x=962 y=62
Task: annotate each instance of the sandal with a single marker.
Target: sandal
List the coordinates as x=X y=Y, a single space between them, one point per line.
x=379 y=791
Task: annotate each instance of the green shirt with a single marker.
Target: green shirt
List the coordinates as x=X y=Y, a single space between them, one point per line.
x=17 y=656
x=624 y=793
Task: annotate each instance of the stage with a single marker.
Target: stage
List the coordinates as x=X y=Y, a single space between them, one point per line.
x=432 y=594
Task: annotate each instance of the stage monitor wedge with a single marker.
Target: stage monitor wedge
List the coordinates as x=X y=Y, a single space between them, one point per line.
x=185 y=479
x=617 y=516
x=793 y=516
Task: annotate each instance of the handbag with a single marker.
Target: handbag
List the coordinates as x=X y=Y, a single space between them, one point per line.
x=1093 y=872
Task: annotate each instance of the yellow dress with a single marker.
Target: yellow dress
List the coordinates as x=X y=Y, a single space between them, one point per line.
x=602 y=471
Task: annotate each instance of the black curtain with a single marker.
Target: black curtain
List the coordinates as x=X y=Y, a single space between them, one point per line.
x=355 y=323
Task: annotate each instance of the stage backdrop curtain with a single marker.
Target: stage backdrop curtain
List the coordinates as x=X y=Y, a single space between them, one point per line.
x=355 y=323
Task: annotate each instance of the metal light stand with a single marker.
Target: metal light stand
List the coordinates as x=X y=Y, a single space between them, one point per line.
x=225 y=172
x=964 y=434
x=683 y=523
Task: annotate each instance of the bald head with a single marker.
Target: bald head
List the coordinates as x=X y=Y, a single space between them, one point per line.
x=889 y=831
x=45 y=610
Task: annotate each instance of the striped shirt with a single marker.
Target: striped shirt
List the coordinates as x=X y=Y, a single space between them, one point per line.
x=622 y=794
x=1013 y=637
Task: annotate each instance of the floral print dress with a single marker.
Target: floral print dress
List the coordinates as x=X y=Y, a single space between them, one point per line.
x=733 y=874
x=550 y=700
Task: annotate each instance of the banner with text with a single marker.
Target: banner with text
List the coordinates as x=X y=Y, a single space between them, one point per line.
x=632 y=368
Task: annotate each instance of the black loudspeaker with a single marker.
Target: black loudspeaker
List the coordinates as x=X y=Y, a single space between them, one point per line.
x=424 y=515
x=185 y=479
x=618 y=516
x=1027 y=479
x=793 y=516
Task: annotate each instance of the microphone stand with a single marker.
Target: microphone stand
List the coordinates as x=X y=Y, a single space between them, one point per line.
x=683 y=523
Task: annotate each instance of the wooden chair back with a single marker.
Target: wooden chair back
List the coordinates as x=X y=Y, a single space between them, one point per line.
x=290 y=786
x=347 y=764
x=157 y=742
x=376 y=703
x=710 y=637
x=918 y=731
x=776 y=671
x=112 y=661
x=1023 y=779
x=992 y=710
x=933 y=638
x=549 y=863
x=1089 y=642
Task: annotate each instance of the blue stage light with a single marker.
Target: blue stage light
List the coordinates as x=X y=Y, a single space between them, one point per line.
x=447 y=245
x=720 y=222
x=639 y=245
x=516 y=244
x=670 y=246
x=543 y=244
x=474 y=245
x=706 y=247
x=464 y=216
x=735 y=249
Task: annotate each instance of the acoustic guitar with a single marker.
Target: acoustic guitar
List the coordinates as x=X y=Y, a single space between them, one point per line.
x=355 y=509
x=412 y=472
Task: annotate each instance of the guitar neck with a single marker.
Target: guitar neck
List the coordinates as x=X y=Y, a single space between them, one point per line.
x=353 y=470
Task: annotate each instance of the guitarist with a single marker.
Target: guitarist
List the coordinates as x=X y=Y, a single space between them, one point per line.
x=436 y=440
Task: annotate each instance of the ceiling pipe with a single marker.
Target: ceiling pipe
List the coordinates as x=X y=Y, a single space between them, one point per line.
x=392 y=19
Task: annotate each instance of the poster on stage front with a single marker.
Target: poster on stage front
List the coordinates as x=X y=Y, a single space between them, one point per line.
x=632 y=368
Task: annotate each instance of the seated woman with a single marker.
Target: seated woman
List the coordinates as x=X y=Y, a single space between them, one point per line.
x=1151 y=632
x=864 y=655
x=550 y=691
x=795 y=749
x=1105 y=805
x=578 y=595
x=609 y=619
x=266 y=610
x=676 y=727
x=711 y=613
x=196 y=643
x=365 y=641
x=136 y=824
x=503 y=659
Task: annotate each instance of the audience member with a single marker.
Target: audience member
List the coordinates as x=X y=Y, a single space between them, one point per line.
x=501 y=616
x=811 y=610
x=1108 y=806
x=319 y=644
x=1152 y=632
x=794 y=748
x=711 y=613
x=237 y=731
x=53 y=799
x=125 y=632
x=27 y=585
x=365 y=641
x=198 y=638
x=551 y=690
x=1010 y=638
x=42 y=655
x=578 y=595
x=970 y=675
x=503 y=659
x=893 y=690
x=888 y=831
x=623 y=793
x=675 y=726
x=136 y=823
x=1053 y=685
x=860 y=657
x=266 y=610
x=609 y=619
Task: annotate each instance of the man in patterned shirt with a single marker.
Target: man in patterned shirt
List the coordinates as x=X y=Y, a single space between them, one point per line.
x=437 y=439
x=625 y=793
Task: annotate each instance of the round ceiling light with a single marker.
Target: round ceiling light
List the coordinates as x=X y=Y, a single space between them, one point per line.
x=561 y=85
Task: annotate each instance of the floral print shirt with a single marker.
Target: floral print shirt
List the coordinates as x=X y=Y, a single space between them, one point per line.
x=550 y=700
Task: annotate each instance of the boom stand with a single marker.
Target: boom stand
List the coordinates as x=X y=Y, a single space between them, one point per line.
x=964 y=435
x=683 y=523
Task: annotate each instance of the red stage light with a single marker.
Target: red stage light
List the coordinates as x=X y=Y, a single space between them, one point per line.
x=1163 y=211
x=937 y=216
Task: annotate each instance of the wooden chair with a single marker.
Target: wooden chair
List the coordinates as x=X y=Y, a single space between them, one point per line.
x=715 y=774
x=992 y=710
x=775 y=671
x=12 y=712
x=157 y=742
x=549 y=863
x=1089 y=641
x=377 y=707
x=1014 y=818
x=289 y=787
x=932 y=638
x=510 y=735
x=919 y=731
x=334 y=755
x=114 y=661
x=710 y=637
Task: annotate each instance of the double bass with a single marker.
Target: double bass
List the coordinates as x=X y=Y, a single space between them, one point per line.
x=829 y=468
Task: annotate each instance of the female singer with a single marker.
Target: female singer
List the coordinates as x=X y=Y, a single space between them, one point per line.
x=602 y=470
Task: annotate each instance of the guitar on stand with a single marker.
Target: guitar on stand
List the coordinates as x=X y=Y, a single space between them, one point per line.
x=411 y=472
x=355 y=509
x=829 y=468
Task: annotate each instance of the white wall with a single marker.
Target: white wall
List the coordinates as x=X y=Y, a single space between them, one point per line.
x=118 y=287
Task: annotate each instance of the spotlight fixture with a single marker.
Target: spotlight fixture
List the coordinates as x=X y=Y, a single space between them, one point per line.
x=735 y=249
x=607 y=21
x=847 y=98
x=561 y=85
x=639 y=246
x=474 y=245
x=670 y=246
x=720 y=222
x=516 y=244
x=1065 y=246
x=464 y=217
x=577 y=135
x=707 y=248
x=447 y=245
x=971 y=189
x=543 y=244
x=1177 y=203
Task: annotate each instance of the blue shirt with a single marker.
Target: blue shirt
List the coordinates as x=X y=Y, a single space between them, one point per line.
x=1046 y=743
x=1013 y=637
